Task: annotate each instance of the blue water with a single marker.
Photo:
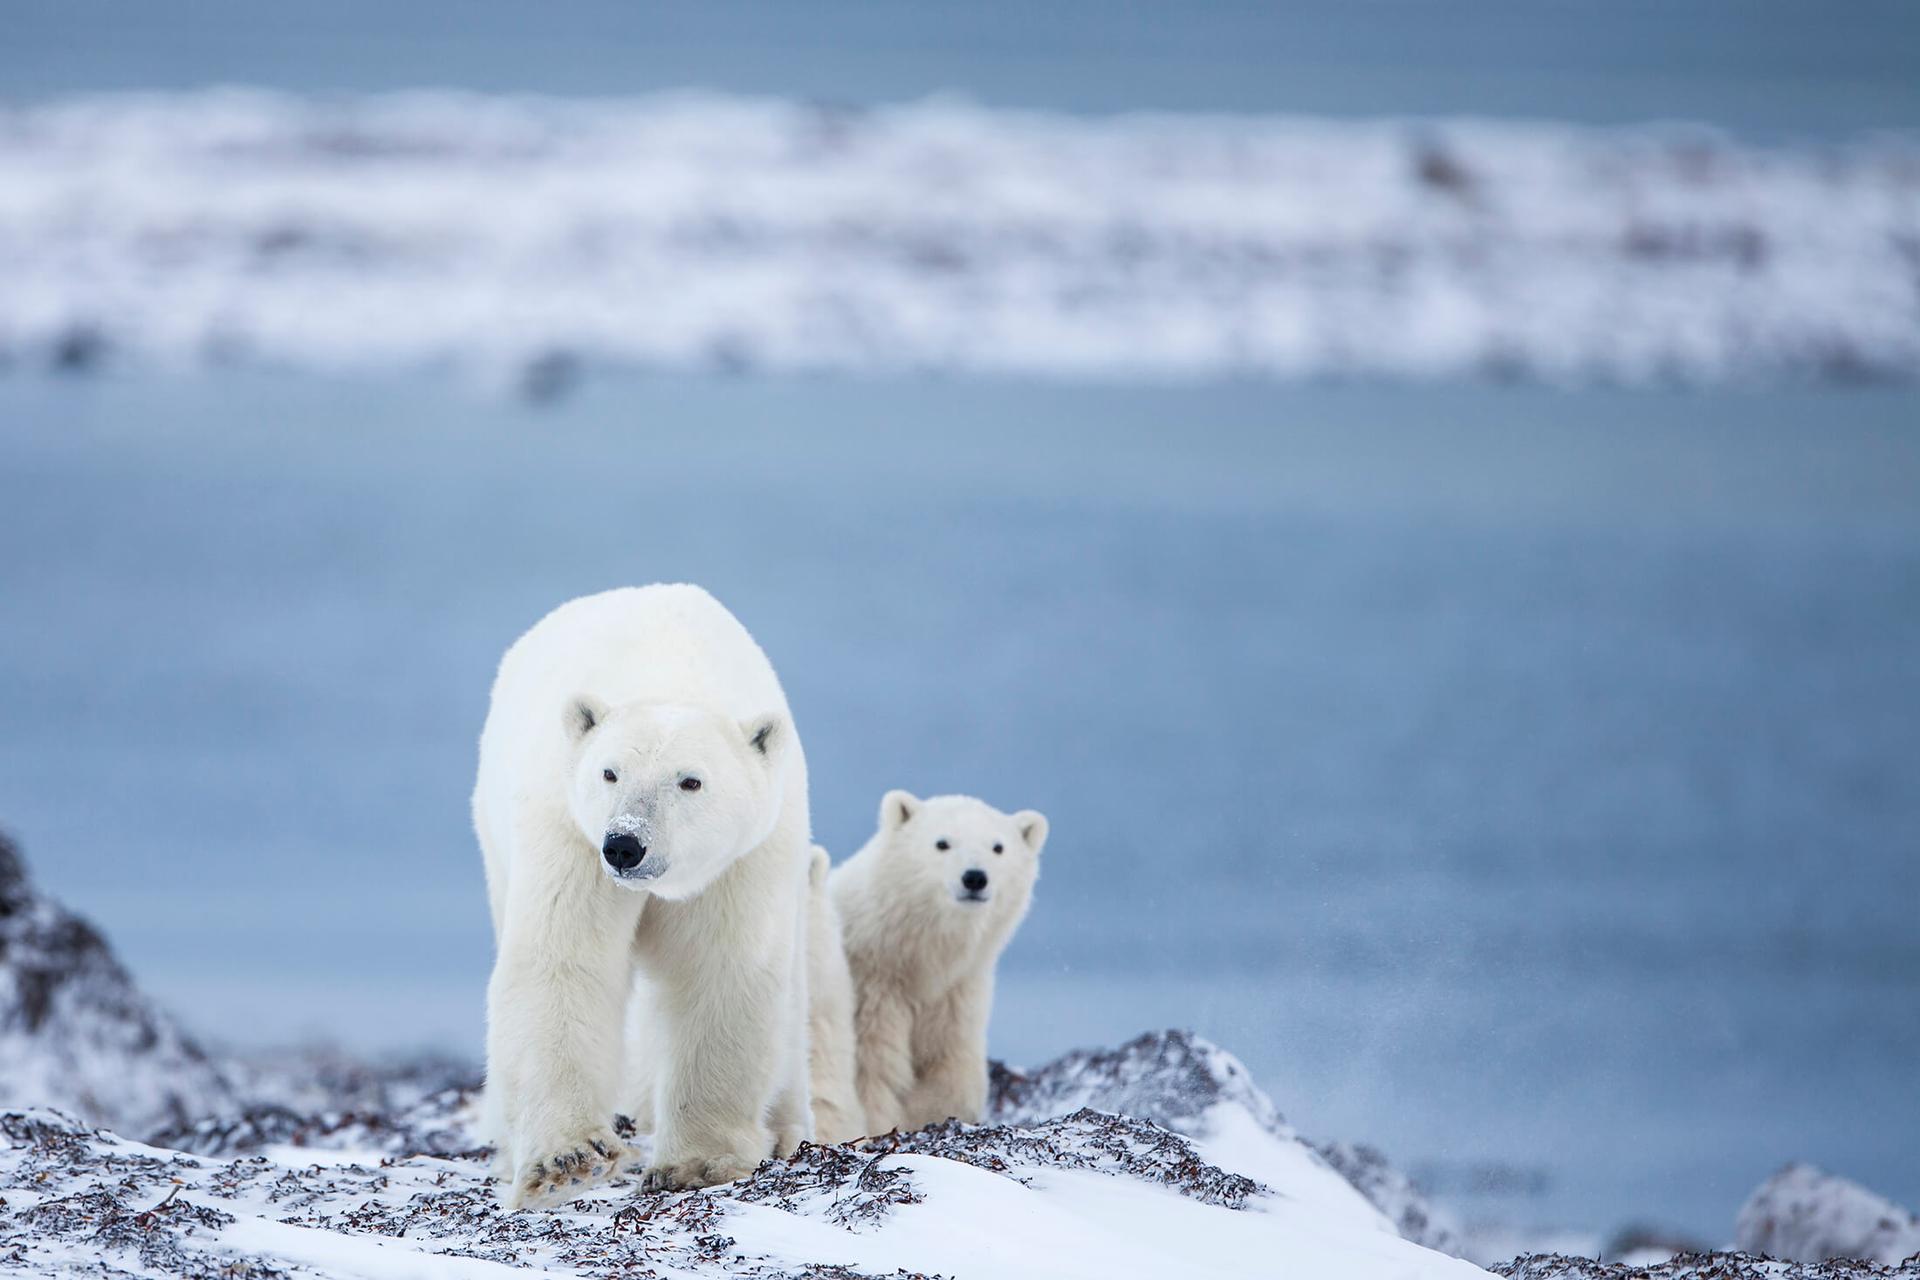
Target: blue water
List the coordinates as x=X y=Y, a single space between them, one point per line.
x=1510 y=776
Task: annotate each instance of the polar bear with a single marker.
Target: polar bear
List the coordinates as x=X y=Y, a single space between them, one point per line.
x=926 y=907
x=641 y=804
x=837 y=1114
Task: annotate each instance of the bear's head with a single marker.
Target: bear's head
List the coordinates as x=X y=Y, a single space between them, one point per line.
x=962 y=854
x=670 y=795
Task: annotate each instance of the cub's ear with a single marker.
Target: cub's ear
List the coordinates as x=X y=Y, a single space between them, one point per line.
x=766 y=735
x=583 y=712
x=897 y=808
x=1033 y=827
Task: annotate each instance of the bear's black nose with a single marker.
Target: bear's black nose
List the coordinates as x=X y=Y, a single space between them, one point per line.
x=623 y=853
x=973 y=880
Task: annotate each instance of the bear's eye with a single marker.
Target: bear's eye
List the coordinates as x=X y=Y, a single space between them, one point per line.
x=609 y=775
x=942 y=845
x=689 y=784
x=999 y=848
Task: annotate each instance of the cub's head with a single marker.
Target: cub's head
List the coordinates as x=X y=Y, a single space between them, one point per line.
x=963 y=853
x=671 y=795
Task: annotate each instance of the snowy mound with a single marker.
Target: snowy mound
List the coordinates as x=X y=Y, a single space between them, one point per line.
x=1090 y=1195
x=1187 y=1085
x=76 y=1033
x=1808 y=1215
x=524 y=238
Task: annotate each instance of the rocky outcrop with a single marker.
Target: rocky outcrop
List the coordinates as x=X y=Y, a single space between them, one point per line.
x=1173 y=1078
x=77 y=1033
x=1808 y=1215
x=1182 y=1082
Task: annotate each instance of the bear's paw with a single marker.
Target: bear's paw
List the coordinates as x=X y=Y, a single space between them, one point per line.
x=699 y=1171
x=571 y=1168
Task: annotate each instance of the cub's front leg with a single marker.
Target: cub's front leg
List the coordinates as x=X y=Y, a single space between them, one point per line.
x=950 y=1055
x=554 y=1020
x=883 y=1030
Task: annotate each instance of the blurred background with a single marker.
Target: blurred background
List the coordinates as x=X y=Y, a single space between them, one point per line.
x=1426 y=497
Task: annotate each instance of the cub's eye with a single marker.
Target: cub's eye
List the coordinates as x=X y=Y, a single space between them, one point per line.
x=999 y=848
x=942 y=845
x=608 y=775
x=689 y=784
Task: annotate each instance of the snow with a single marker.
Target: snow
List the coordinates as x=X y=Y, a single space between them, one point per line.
x=1198 y=1090
x=523 y=238
x=1072 y=1198
x=1074 y=1223
x=327 y=1253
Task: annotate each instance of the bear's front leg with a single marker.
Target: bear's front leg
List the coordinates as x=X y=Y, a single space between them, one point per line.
x=723 y=1015
x=554 y=1020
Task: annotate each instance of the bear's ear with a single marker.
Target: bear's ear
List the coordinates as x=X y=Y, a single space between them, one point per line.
x=897 y=809
x=1033 y=827
x=584 y=712
x=766 y=735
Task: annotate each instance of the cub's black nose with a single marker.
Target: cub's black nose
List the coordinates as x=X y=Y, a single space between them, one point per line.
x=974 y=880
x=623 y=853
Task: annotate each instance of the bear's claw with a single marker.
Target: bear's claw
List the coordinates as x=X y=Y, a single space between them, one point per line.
x=592 y=1160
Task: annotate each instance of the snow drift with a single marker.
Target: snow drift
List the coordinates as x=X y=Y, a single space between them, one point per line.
x=526 y=238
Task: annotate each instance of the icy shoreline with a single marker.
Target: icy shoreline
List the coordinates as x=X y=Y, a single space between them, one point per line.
x=522 y=240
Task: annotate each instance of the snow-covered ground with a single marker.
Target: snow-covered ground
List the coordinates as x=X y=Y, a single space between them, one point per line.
x=1091 y=1195
x=311 y=1164
x=1158 y=1157
x=404 y=1192
x=522 y=239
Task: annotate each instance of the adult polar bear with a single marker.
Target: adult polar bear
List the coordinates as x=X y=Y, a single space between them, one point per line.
x=642 y=801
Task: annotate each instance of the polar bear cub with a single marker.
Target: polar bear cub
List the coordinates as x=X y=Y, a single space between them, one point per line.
x=926 y=907
x=837 y=1114
x=641 y=804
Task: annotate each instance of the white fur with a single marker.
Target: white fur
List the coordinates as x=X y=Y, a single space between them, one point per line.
x=922 y=955
x=655 y=684
x=837 y=1114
